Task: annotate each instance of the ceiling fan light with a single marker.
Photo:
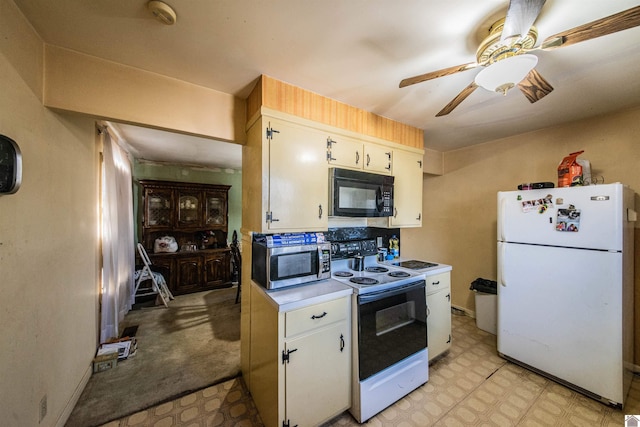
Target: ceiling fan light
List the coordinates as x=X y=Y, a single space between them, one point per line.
x=506 y=73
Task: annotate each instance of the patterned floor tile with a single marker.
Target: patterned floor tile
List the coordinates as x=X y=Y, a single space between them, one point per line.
x=470 y=386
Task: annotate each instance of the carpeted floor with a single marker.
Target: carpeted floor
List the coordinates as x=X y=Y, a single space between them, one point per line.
x=189 y=346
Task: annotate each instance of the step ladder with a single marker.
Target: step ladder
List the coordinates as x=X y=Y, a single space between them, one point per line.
x=158 y=284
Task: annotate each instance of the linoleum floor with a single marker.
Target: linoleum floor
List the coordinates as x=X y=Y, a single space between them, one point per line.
x=470 y=386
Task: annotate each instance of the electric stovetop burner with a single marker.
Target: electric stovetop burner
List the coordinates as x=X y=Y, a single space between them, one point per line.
x=415 y=264
x=376 y=269
x=363 y=281
x=343 y=274
x=399 y=274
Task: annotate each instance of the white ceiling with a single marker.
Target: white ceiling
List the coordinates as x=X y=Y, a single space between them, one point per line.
x=354 y=51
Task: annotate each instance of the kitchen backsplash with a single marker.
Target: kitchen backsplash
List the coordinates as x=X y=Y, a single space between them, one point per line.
x=361 y=233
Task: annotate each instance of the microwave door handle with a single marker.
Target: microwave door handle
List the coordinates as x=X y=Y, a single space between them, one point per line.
x=379 y=200
x=319 y=272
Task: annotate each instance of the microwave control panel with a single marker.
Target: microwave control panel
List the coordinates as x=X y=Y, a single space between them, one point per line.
x=387 y=203
x=325 y=260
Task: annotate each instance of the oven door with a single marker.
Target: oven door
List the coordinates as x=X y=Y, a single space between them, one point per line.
x=360 y=194
x=392 y=326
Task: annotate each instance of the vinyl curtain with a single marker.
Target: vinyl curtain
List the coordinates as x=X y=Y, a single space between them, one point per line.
x=118 y=257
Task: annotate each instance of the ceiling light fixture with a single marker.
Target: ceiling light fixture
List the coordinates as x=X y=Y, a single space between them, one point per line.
x=162 y=12
x=506 y=73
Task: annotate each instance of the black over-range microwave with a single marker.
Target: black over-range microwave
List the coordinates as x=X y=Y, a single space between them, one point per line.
x=360 y=194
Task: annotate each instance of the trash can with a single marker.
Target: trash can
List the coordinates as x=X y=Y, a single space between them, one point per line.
x=486 y=304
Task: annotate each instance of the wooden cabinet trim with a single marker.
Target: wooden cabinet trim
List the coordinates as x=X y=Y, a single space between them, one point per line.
x=281 y=96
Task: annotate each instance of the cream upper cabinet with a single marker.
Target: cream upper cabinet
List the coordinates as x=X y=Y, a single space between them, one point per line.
x=345 y=152
x=352 y=153
x=287 y=160
x=407 y=187
x=297 y=194
x=377 y=158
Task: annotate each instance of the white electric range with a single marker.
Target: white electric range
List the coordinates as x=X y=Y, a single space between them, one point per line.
x=390 y=356
x=374 y=276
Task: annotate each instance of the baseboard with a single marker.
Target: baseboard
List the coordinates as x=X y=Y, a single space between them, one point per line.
x=466 y=311
x=66 y=413
x=633 y=368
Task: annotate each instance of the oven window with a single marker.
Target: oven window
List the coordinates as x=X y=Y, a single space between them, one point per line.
x=392 y=318
x=391 y=328
x=294 y=264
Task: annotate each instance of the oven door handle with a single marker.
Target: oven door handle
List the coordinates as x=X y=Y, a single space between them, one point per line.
x=378 y=295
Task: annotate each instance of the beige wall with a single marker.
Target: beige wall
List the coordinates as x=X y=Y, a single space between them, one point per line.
x=459 y=207
x=48 y=240
x=48 y=230
x=81 y=83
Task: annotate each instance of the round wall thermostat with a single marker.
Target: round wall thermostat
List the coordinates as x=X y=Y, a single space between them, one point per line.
x=10 y=166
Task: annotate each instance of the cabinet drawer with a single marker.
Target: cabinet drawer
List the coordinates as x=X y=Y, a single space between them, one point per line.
x=438 y=281
x=315 y=316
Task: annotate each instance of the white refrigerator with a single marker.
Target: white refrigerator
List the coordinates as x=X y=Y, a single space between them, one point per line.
x=565 y=285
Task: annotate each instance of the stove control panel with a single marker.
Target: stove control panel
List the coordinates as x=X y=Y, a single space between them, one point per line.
x=341 y=250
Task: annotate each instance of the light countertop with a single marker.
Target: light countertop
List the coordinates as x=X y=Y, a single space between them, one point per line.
x=294 y=297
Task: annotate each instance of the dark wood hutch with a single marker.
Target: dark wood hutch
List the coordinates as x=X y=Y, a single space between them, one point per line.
x=196 y=215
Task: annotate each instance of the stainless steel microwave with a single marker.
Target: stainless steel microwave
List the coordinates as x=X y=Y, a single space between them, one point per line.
x=281 y=266
x=360 y=194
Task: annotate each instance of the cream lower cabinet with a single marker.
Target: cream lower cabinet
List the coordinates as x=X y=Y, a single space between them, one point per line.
x=300 y=361
x=294 y=183
x=438 y=314
x=407 y=198
x=317 y=376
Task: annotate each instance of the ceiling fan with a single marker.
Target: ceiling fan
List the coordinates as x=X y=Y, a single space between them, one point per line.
x=505 y=52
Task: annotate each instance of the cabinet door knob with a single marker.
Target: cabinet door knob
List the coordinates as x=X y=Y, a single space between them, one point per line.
x=319 y=211
x=341 y=343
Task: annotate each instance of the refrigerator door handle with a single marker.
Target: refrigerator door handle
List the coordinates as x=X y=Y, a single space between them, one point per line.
x=503 y=250
x=501 y=217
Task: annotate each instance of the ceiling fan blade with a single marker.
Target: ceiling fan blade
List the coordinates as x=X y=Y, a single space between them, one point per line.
x=601 y=27
x=534 y=86
x=435 y=74
x=458 y=99
x=520 y=17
